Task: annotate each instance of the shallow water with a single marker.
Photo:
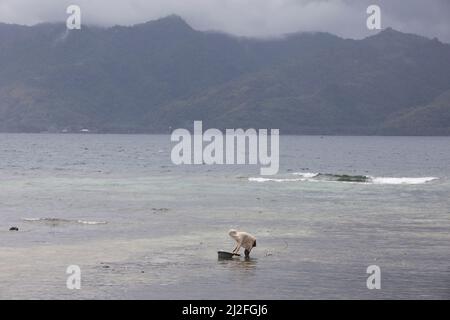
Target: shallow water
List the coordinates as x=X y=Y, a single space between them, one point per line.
x=140 y=227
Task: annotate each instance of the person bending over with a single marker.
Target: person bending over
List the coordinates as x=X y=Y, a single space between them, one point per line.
x=243 y=239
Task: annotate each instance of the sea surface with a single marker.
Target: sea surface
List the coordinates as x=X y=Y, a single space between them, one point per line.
x=140 y=227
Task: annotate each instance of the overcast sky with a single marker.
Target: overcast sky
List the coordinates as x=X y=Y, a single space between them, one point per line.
x=247 y=17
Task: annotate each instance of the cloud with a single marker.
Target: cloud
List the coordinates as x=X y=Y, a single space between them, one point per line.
x=260 y=18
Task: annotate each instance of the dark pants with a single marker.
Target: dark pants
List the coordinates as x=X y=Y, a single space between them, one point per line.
x=247 y=253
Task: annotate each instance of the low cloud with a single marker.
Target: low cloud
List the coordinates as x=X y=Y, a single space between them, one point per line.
x=260 y=18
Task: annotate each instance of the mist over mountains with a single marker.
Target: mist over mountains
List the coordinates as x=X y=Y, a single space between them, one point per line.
x=163 y=74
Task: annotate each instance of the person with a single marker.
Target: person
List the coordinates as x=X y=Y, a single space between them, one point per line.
x=243 y=239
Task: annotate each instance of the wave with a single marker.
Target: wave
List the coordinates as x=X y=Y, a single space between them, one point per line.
x=58 y=221
x=306 y=174
x=259 y=179
x=91 y=222
x=389 y=180
x=327 y=177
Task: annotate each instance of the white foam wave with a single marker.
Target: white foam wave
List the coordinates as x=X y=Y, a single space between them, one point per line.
x=259 y=179
x=404 y=180
x=306 y=174
x=59 y=221
x=32 y=219
x=91 y=222
x=316 y=177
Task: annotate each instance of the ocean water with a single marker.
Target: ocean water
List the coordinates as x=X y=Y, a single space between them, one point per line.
x=140 y=227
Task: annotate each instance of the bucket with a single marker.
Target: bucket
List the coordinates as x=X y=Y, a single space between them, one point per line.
x=224 y=255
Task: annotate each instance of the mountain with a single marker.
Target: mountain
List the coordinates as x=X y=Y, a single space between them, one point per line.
x=163 y=74
x=417 y=120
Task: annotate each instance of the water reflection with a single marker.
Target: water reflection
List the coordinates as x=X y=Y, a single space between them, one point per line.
x=242 y=264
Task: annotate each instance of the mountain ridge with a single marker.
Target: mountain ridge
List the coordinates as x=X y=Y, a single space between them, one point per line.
x=164 y=74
